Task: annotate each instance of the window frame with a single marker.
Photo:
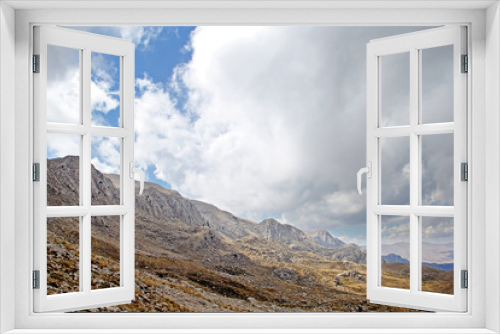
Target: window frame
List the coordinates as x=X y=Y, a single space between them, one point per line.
x=85 y=44
x=413 y=44
x=479 y=316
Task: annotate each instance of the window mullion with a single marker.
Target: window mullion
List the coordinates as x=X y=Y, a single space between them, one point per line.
x=85 y=166
x=414 y=169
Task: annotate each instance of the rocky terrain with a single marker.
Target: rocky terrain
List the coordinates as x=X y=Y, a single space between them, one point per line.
x=193 y=257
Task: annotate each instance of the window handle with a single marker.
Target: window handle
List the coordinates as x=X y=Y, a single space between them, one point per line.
x=134 y=170
x=368 y=171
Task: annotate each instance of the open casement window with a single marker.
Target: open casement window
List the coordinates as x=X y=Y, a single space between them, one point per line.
x=76 y=122
x=416 y=144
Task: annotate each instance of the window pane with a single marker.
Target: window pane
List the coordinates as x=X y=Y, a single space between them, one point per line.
x=63 y=255
x=395 y=89
x=395 y=248
x=106 y=170
x=395 y=176
x=437 y=169
x=437 y=84
x=63 y=85
x=105 y=90
x=105 y=252
x=437 y=255
x=63 y=169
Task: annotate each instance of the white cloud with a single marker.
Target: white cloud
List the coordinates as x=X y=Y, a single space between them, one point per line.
x=437 y=228
x=106 y=154
x=140 y=35
x=273 y=125
x=63 y=98
x=261 y=130
x=61 y=145
x=395 y=229
x=103 y=98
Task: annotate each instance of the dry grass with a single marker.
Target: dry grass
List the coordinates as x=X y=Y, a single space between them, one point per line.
x=165 y=284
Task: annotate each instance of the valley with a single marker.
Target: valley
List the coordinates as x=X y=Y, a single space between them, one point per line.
x=193 y=257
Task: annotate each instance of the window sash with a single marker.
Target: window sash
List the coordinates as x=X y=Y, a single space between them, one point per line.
x=412 y=43
x=85 y=297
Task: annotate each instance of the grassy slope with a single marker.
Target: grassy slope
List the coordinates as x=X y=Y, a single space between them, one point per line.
x=166 y=284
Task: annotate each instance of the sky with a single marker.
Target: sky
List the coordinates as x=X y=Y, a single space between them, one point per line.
x=264 y=121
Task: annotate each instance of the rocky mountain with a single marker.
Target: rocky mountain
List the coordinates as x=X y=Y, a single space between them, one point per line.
x=394 y=258
x=273 y=230
x=325 y=239
x=192 y=256
x=431 y=253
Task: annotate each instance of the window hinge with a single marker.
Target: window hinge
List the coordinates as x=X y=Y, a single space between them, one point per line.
x=36 y=279
x=464 y=167
x=465 y=64
x=36 y=63
x=465 y=279
x=36 y=172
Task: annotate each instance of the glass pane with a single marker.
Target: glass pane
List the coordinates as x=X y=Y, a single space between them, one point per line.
x=395 y=261
x=105 y=160
x=437 y=255
x=437 y=169
x=105 y=90
x=395 y=89
x=63 y=255
x=437 y=84
x=63 y=85
x=395 y=164
x=105 y=252
x=63 y=169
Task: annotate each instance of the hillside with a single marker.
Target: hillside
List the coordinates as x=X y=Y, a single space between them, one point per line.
x=193 y=257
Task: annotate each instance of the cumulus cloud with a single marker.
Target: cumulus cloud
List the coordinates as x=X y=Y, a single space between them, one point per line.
x=105 y=154
x=437 y=229
x=272 y=125
x=395 y=229
x=270 y=122
x=61 y=145
x=139 y=35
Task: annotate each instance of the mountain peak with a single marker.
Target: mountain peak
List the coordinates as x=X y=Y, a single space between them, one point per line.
x=273 y=230
x=324 y=238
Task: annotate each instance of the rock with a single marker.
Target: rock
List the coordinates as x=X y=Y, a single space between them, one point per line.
x=286 y=274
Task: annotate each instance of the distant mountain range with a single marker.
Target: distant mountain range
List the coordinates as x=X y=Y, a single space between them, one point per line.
x=432 y=253
x=394 y=258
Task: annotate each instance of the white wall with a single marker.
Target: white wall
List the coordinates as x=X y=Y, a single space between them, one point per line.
x=492 y=164
x=7 y=124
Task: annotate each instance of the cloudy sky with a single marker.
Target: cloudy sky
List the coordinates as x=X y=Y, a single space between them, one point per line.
x=261 y=121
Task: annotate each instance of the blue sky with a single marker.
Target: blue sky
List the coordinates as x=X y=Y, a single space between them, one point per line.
x=259 y=121
x=155 y=58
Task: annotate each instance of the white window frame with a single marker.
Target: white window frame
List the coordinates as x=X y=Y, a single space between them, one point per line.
x=413 y=44
x=482 y=19
x=85 y=43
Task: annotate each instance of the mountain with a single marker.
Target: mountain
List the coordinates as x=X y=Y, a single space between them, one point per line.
x=325 y=239
x=394 y=258
x=169 y=224
x=431 y=253
x=273 y=230
x=192 y=256
x=440 y=266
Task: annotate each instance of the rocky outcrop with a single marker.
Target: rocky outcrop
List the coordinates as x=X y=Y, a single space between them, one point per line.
x=324 y=239
x=273 y=230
